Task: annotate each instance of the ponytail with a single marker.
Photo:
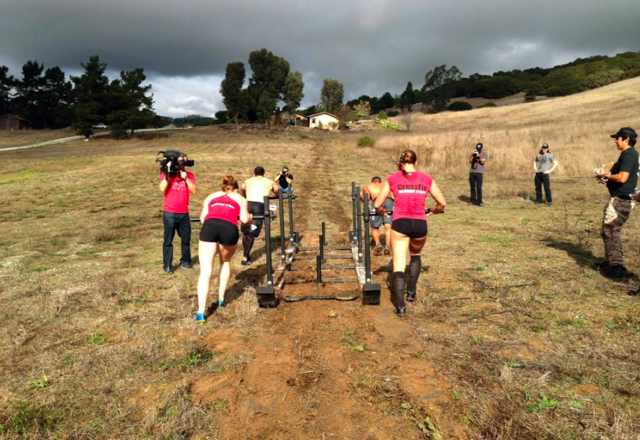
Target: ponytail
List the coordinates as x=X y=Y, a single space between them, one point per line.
x=407 y=156
x=229 y=183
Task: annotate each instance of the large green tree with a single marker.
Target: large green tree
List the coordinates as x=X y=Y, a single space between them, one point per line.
x=29 y=93
x=406 y=99
x=331 y=95
x=269 y=74
x=6 y=85
x=438 y=87
x=56 y=99
x=266 y=107
x=90 y=93
x=292 y=93
x=132 y=106
x=231 y=88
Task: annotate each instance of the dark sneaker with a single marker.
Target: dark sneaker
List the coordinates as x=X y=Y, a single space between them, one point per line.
x=481 y=204
x=616 y=272
x=537 y=202
x=377 y=251
x=222 y=304
x=387 y=250
x=634 y=292
x=167 y=270
x=245 y=262
x=550 y=203
x=199 y=318
x=186 y=266
x=411 y=296
x=401 y=311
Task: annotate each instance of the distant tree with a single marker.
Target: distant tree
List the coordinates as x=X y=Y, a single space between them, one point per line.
x=407 y=119
x=343 y=116
x=56 y=99
x=331 y=95
x=231 y=88
x=132 y=106
x=386 y=101
x=29 y=93
x=460 y=106
x=406 y=99
x=6 y=85
x=90 y=94
x=362 y=109
x=269 y=74
x=437 y=87
x=221 y=117
x=292 y=93
x=266 y=107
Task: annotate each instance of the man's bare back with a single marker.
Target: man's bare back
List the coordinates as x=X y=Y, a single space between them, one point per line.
x=373 y=189
x=256 y=188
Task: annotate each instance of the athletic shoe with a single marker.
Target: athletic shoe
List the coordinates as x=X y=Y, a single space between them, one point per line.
x=377 y=251
x=411 y=296
x=186 y=265
x=221 y=304
x=634 y=292
x=616 y=272
x=401 y=311
x=387 y=250
x=199 y=318
x=481 y=204
x=245 y=262
x=167 y=270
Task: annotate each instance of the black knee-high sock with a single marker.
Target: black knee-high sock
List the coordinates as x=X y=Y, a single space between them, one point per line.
x=414 y=272
x=397 y=281
x=247 y=243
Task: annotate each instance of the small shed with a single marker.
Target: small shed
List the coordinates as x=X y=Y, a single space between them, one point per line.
x=13 y=122
x=285 y=118
x=323 y=120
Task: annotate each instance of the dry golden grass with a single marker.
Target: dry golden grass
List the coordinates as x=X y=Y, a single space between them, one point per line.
x=27 y=137
x=512 y=306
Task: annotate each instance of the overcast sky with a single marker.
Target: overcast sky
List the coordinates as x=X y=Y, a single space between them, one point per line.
x=371 y=46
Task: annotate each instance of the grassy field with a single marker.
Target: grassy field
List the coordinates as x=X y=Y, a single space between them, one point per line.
x=516 y=334
x=27 y=137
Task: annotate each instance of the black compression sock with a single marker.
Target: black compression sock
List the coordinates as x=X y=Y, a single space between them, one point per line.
x=414 y=272
x=247 y=243
x=397 y=282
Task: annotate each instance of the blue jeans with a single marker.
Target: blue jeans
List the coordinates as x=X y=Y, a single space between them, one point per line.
x=182 y=224
x=475 y=180
x=540 y=180
x=286 y=190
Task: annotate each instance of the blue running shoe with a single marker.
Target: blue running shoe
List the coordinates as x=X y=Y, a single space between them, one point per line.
x=221 y=304
x=199 y=318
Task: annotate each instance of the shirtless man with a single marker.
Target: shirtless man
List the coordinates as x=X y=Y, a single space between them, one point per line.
x=376 y=221
x=255 y=189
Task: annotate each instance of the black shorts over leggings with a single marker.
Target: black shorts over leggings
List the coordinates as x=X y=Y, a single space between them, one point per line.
x=412 y=228
x=219 y=231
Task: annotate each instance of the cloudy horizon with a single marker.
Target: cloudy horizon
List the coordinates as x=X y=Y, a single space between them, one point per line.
x=371 y=46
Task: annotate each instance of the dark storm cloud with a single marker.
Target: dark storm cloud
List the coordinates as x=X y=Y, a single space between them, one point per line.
x=371 y=46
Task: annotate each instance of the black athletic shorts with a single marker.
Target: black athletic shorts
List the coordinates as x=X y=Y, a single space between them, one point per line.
x=253 y=229
x=219 y=231
x=412 y=228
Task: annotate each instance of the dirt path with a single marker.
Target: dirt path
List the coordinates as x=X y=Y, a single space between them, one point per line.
x=328 y=369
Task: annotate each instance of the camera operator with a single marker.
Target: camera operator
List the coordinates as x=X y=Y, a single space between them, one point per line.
x=543 y=165
x=284 y=179
x=477 y=160
x=621 y=182
x=176 y=187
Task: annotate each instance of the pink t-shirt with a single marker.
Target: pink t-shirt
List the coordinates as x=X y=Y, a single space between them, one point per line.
x=223 y=208
x=176 y=196
x=410 y=194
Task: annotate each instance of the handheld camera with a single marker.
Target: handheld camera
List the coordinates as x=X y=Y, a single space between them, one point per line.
x=168 y=161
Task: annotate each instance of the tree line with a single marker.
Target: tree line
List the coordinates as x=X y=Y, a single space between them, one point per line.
x=48 y=100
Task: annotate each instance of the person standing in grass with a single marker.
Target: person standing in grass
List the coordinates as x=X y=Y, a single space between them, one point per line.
x=477 y=159
x=621 y=182
x=373 y=189
x=219 y=234
x=543 y=165
x=175 y=216
x=409 y=227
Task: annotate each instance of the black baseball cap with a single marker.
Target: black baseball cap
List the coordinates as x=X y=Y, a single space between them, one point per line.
x=479 y=146
x=545 y=145
x=625 y=132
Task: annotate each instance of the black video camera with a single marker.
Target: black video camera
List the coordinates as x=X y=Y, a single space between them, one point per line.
x=169 y=161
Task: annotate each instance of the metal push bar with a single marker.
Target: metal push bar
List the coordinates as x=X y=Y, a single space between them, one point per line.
x=370 y=291
x=266 y=294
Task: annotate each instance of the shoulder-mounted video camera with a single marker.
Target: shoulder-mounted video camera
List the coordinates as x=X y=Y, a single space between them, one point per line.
x=169 y=161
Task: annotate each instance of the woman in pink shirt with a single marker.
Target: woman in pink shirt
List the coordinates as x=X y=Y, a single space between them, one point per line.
x=410 y=188
x=220 y=235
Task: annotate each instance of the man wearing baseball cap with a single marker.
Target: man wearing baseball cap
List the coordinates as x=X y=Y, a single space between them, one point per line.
x=621 y=182
x=543 y=165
